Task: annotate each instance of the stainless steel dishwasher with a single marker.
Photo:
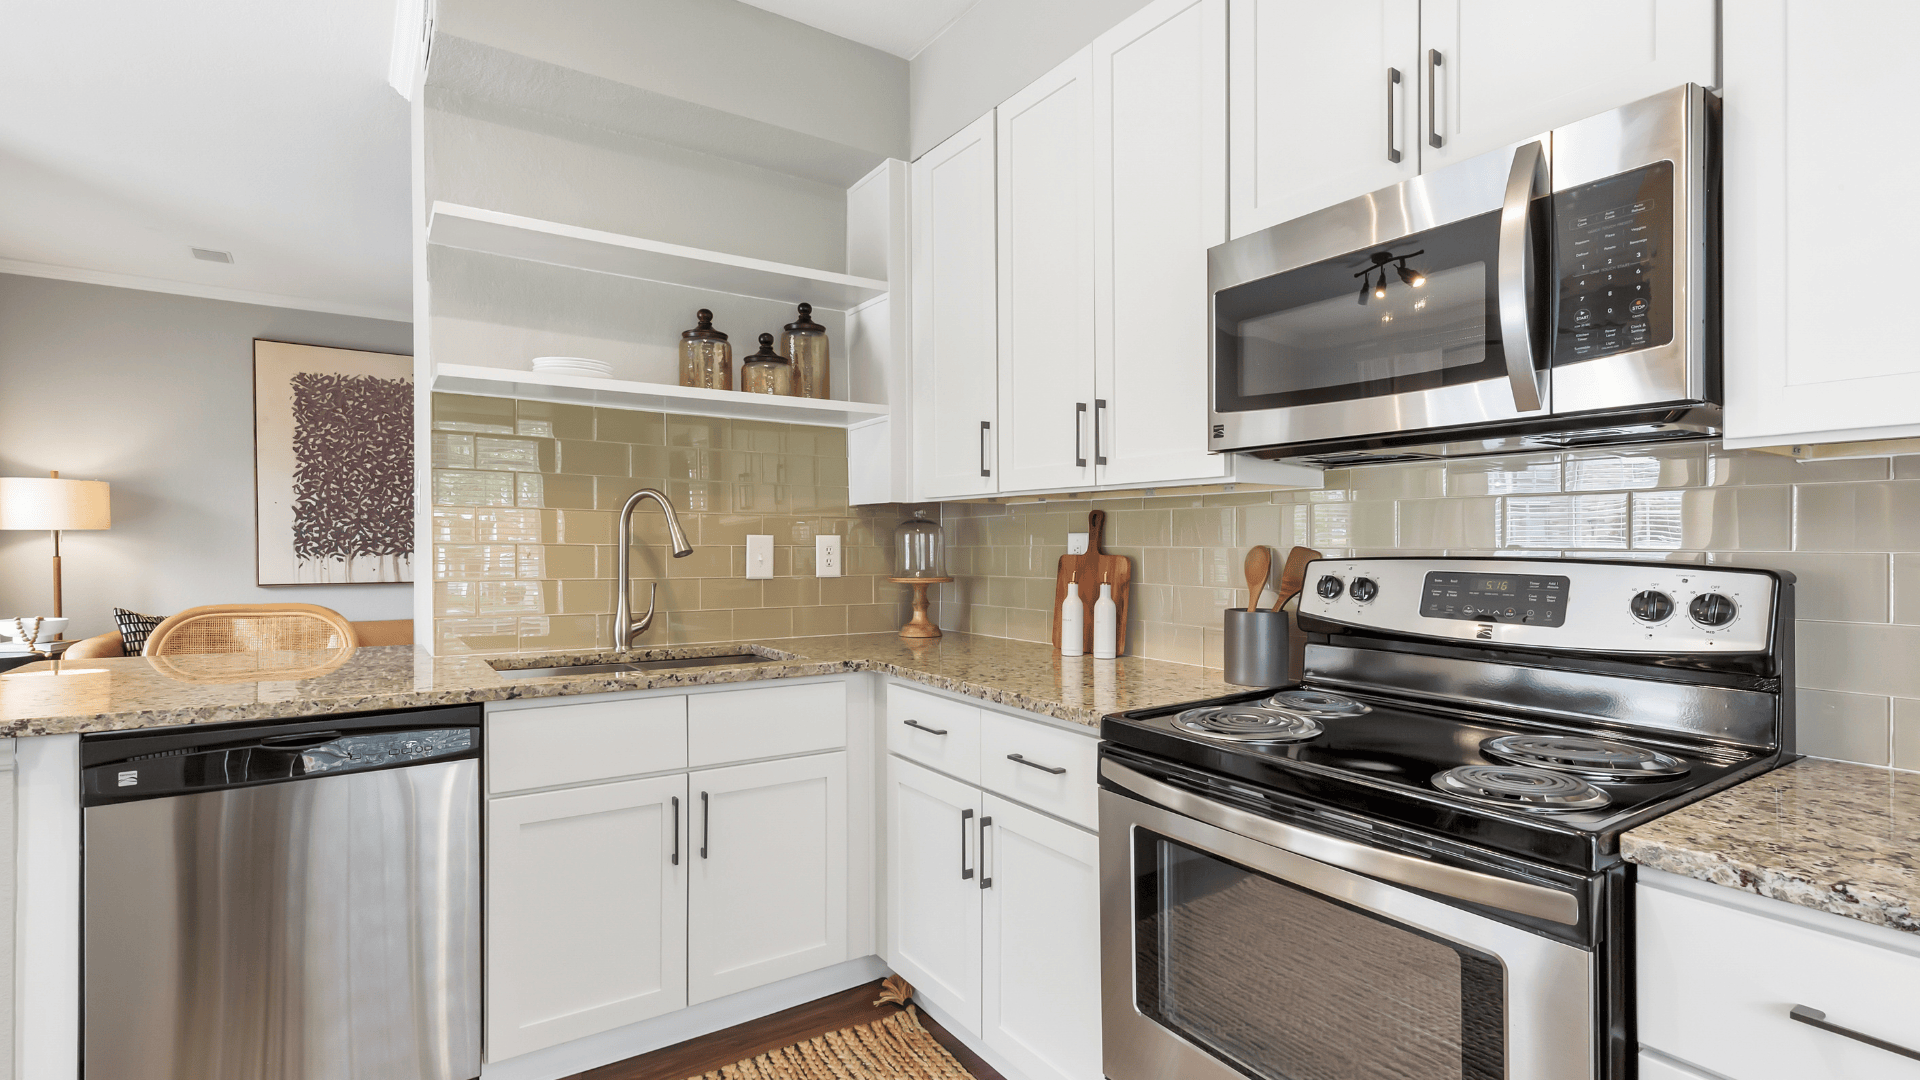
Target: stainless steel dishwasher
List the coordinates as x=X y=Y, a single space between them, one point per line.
x=285 y=901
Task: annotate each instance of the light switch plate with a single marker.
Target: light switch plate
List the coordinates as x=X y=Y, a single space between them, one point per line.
x=1076 y=543
x=759 y=556
x=826 y=556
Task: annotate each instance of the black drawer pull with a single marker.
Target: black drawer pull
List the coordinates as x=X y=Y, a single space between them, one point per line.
x=1054 y=769
x=922 y=727
x=1816 y=1018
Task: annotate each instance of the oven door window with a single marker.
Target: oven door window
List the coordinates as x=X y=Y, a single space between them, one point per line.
x=1304 y=336
x=1285 y=984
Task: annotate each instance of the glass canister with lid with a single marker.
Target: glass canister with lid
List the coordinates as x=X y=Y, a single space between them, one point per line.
x=805 y=344
x=706 y=359
x=767 y=372
x=918 y=548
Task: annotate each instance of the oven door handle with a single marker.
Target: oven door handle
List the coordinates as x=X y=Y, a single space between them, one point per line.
x=1471 y=886
x=1527 y=181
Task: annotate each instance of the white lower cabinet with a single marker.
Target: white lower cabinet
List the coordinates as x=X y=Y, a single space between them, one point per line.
x=933 y=886
x=586 y=911
x=768 y=881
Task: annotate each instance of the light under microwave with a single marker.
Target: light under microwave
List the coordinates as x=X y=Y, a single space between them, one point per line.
x=1560 y=292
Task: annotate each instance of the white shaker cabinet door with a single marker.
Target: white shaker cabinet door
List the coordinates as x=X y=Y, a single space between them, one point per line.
x=1317 y=115
x=955 y=325
x=933 y=888
x=767 y=895
x=1045 y=162
x=1505 y=70
x=1820 y=346
x=1041 y=943
x=586 y=911
x=1160 y=201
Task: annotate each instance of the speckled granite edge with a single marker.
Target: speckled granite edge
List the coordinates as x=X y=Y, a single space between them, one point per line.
x=1828 y=835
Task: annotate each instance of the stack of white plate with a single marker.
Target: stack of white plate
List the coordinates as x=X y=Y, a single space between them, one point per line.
x=573 y=365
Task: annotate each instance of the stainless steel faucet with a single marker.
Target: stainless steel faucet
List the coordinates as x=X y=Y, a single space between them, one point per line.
x=624 y=628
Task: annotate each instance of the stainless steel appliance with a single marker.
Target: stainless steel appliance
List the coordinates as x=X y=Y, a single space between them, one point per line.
x=1408 y=864
x=293 y=901
x=1560 y=292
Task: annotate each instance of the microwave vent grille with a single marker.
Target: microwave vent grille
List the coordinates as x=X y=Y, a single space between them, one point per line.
x=1338 y=461
x=1613 y=437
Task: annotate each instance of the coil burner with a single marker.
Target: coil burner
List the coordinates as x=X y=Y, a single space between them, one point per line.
x=1584 y=756
x=1317 y=703
x=1248 y=723
x=1521 y=787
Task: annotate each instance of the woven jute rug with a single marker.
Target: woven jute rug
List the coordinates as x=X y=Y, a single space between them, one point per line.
x=896 y=1048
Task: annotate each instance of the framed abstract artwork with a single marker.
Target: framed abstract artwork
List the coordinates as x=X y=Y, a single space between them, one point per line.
x=333 y=465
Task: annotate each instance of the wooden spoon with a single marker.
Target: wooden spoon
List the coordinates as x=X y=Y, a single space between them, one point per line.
x=1293 y=576
x=1259 y=565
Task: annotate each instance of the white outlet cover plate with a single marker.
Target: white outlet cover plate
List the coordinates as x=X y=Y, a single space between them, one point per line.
x=826 y=556
x=760 y=556
x=1076 y=543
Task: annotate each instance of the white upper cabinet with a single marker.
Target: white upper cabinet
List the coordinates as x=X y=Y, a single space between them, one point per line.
x=1317 y=115
x=955 y=328
x=1159 y=202
x=1818 y=347
x=1506 y=70
x=1046 y=280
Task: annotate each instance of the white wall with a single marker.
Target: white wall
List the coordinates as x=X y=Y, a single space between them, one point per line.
x=154 y=394
x=996 y=48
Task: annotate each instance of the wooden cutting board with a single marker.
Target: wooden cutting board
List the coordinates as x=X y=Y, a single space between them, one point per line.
x=1092 y=568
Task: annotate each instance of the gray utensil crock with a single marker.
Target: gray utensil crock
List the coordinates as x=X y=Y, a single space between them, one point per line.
x=1257 y=648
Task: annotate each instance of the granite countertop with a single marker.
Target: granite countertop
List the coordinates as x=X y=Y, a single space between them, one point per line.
x=1823 y=834
x=141 y=692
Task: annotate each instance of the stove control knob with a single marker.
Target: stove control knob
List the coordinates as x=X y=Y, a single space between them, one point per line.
x=1363 y=589
x=1329 y=587
x=1652 y=606
x=1712 y=609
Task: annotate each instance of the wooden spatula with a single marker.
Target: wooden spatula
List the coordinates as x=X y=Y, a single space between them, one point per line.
x=1293 y=576
x=1259 y=565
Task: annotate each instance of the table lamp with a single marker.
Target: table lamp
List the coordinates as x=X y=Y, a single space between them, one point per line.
x=53 y=504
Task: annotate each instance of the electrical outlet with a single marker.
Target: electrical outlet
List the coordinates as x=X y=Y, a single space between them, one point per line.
x=1076 y=543
x=826 y=556
x=760 y=556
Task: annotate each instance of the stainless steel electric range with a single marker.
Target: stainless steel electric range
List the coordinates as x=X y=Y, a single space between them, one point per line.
x=1407 y=865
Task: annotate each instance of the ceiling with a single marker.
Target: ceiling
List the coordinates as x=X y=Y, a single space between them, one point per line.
x=135 y=131
x=900 y=27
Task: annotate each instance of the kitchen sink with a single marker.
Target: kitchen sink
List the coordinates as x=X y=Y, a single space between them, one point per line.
x=732 y=659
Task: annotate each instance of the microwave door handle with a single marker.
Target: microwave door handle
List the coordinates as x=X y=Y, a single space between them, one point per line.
x=1527 y=181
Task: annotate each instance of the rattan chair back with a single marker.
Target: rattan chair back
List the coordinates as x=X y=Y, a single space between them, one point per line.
x=233 y=628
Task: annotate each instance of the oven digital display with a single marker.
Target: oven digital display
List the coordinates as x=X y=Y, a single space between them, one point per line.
x=1534 y=599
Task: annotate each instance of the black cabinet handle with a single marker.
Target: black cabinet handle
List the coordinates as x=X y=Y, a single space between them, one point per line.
x=985 y=881
x=1393 y=80
x=985 y=426
x=966 y=872
x=925 y=728
x=706 y=824
x=1433 y=116
x=1079 y=414
x=676 y=830
x=1099 y=406
x=1816 y=1018
x=1054 y=769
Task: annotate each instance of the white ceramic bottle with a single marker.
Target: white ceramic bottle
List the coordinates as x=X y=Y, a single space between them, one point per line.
x=1073 y=620
x=1106 y=624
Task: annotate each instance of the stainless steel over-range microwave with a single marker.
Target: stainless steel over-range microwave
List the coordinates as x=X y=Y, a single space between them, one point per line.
x=1560 y=292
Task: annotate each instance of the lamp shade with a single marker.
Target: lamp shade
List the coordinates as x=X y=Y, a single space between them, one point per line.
x=31 y=502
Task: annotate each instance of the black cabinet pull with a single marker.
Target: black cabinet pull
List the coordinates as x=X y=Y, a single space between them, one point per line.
x=676 y=830
x=1079 y=414
x=1816 y=1018
x=1433 y=109
x=925 y=728
x=985 y=427
x=1054 y=769
x=966 y=872
x=706 y=824
x=1099 y=406
x=1393 y=80
x=985 y=881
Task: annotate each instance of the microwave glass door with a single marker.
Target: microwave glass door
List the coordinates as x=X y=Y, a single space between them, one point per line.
x=1285 y=984
x=1316 y=334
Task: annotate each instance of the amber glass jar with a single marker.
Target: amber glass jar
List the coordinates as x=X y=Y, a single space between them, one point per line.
x=767 y=372
x=706 y=360
x=805 y=344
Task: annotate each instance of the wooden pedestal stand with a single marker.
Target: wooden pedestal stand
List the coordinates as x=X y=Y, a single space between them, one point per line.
x=919 y=626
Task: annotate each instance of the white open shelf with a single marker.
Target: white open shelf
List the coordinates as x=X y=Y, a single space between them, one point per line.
x=473 y=229
x=652 y=397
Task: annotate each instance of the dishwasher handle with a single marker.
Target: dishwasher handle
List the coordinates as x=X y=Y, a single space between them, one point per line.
x=257 y=759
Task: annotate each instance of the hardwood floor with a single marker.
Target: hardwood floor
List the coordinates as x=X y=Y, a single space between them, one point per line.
x=755 y=1037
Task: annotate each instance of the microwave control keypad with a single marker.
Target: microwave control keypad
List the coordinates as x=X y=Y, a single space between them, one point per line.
x=1613 y=242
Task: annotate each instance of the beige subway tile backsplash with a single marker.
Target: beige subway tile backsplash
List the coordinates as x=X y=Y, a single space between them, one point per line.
x=1853 y=727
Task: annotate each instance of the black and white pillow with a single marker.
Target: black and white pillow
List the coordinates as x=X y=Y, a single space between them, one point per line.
x=134 y=628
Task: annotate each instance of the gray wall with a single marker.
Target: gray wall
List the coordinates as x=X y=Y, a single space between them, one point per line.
x=154 y=394
x=992 y=51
